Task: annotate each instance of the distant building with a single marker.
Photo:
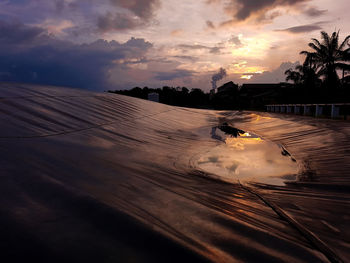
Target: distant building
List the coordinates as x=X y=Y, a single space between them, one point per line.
x=256 y=95
x=227 y=88
x=226 y=96
x=153 y=96
x=257 y=87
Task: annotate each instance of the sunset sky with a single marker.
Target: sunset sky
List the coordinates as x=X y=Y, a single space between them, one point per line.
x=120 y=44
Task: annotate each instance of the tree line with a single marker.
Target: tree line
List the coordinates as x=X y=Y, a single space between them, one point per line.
x=230 y=99
x=176 y=96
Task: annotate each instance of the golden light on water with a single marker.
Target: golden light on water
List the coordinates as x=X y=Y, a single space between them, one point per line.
x=251 y=139
x=248 y=157
x=243 y=139
x=255 y=139
x=249 y=136
x=257 y=117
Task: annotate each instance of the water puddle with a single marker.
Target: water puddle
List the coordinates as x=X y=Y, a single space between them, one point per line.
x=246 y=156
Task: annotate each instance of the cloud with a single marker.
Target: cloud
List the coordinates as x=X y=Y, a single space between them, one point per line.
x=17 y=33
x=177 y=32
x=212 y=50
x=273 y=76
x=212 y=1
x=81 y=14
x=302 y=29
x=315 y=12
x=259 y=9
x=29 y=54
x=175 y=74
x=210 y=24
x=190 y=58
x=128 y=14
x=192 y=47
x=141 y=8
x=215 y=50
x=57 y=27
x=118 y=21
x=104 y=15
x=236 y=41
x=59 y=5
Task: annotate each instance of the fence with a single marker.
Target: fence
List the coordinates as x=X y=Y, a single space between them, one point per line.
x=334 y=111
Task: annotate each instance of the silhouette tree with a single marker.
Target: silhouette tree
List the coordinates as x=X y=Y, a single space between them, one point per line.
x=305 y=75
x=294 y=75
x=310 y=72
x=328 y=57
x=346 y=58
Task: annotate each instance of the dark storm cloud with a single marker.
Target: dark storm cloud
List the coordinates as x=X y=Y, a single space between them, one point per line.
x=17 y=33
x=29 y=54
x=86 y=15
x=79 y=15
x=28 y=11
x=302 y=29
x=175 y=74
x=128 y=14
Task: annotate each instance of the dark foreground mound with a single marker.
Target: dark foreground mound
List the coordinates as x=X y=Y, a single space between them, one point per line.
x=90 y=177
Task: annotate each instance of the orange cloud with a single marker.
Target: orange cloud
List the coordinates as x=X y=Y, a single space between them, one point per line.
x=176 y=32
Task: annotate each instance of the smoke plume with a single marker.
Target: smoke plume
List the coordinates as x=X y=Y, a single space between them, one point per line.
x=218 y=76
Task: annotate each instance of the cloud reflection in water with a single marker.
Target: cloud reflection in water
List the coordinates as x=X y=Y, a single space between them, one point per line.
x=245 y=156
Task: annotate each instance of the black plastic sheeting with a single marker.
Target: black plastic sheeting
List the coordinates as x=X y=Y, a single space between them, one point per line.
x=96 y=177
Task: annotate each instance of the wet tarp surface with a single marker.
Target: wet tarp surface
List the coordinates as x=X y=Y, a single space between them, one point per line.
x=96 y=177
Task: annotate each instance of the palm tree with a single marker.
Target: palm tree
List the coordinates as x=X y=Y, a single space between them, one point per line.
x=346 y=58
x=304 y=75
x=328 y=57
x=311 y=72
x=294 y=76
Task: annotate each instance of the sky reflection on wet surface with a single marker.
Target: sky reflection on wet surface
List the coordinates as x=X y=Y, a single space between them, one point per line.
x=245 y=156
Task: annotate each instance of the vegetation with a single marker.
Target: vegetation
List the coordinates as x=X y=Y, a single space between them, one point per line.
x=227 y=97
x=319 y=74
x=179 y=96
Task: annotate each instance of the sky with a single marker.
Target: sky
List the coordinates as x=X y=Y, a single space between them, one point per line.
x=119 y=44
